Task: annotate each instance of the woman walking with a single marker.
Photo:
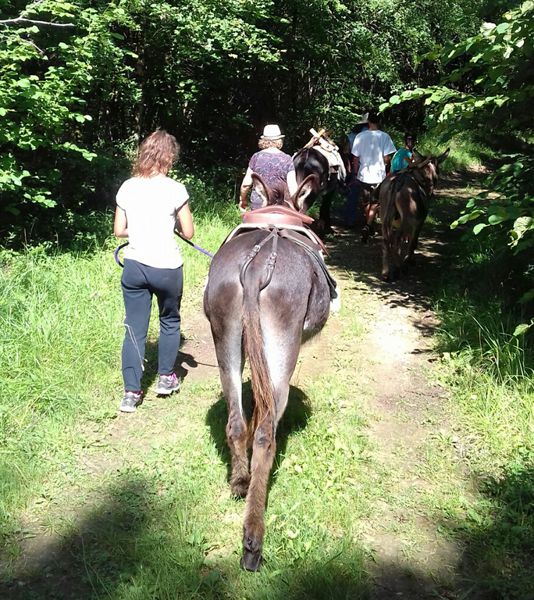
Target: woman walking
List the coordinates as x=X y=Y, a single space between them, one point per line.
x=149 y=207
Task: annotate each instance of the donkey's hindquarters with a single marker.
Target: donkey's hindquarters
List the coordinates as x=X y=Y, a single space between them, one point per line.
x=404 y=202
x=266 y=325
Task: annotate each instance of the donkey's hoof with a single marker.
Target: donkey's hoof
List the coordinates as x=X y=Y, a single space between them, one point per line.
x=251 y=561
x=239 y=487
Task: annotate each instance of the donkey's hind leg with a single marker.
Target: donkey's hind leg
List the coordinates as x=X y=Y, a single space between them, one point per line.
x=263 y=451
x=231 y=360
x=281 y=366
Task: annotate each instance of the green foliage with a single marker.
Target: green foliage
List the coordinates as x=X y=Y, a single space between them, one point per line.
x=81 y=83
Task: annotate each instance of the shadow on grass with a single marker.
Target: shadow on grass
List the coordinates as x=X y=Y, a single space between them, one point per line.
x=295 y=417
x=150 y=374
x=498 y=561
x=138 y=543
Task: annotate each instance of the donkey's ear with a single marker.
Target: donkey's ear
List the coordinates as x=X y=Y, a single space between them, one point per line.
x=261 y=189
x=443 y=156
x=306 y=187
x=417 y=156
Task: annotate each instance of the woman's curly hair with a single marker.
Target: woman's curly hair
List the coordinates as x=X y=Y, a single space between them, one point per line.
x=156 y=154
x=264 y=144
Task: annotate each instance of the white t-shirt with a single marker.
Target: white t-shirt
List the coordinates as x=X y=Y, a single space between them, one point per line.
x=151 y=204
x=370 y=147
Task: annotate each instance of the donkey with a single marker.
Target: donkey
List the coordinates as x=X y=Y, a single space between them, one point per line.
x=310 y=160
x=404 y=201
x=266 y=294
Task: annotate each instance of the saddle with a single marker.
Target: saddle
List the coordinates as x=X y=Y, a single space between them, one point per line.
x=330 y=151
x=280 y=216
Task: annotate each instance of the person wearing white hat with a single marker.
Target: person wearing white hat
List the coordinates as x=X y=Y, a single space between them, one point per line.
x=271 y=164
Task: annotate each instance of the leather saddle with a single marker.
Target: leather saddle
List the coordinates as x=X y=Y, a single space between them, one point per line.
x=276 y=215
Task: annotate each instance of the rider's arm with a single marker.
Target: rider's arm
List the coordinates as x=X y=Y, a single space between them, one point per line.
x=120 y=226
x=291 y=182
x=387 y=161
x=246 y=184
x=355 y=164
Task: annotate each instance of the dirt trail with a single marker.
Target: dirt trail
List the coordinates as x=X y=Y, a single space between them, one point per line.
x=394 y=364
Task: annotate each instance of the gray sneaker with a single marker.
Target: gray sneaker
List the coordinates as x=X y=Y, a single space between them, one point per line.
x=130 y=401
x=167 y=384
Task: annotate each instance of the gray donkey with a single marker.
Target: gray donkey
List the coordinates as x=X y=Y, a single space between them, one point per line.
x=267 y=292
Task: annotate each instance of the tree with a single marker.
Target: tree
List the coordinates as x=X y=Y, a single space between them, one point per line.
x=490 y=89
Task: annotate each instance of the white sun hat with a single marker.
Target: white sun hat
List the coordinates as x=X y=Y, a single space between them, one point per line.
x=272 y=132
x=364 y=119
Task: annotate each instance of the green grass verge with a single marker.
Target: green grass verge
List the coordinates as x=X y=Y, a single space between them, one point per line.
x=490 y=373
x=60 y=336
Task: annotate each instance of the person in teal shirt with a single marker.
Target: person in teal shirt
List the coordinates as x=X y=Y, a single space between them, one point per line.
x=403 y=156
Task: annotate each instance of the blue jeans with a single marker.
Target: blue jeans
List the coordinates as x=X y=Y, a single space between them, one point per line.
x=139 y=283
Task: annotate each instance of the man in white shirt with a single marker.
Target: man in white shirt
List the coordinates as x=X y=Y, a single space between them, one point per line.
x=371 y=153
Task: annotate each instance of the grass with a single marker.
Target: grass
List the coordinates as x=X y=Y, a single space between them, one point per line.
x=490 y=373
x=465 y=153
x=98 y=506
x=153 y=516
x=61 y=330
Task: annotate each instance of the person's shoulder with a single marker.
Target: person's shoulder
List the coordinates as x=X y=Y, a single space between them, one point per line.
x=128 y=183
x=125 y=191
x=176 y=187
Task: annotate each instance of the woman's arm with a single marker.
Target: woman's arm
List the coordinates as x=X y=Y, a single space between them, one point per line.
x=185 y=220
x=292 y=182
x=246 y=184
x=120 y=226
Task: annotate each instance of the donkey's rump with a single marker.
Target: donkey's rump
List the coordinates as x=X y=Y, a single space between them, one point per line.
x=404 y=202
x=296 y=295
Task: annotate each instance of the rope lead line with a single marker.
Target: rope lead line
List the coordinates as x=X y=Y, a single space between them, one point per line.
x=119 y=248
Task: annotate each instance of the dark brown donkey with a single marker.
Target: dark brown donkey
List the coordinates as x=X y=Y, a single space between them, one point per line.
x=404 y=201
x=265 y=295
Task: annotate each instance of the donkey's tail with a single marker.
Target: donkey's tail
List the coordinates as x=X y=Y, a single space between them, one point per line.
x=388 y=211
x=262 y=387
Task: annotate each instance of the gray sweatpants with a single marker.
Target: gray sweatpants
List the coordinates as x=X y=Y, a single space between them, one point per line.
x=139 y=283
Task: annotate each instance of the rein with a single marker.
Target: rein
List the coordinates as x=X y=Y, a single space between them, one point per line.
x=199 y=248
